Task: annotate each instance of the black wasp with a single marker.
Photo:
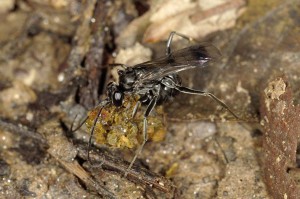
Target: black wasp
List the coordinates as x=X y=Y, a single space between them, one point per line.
x=157 y=81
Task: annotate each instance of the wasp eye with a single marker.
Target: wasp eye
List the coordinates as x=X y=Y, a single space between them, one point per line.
x=117 y=98
x=120 y=72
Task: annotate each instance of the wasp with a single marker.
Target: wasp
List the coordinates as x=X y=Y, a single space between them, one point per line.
x=156 y=81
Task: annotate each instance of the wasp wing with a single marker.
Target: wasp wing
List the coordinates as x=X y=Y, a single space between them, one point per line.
x=180 y=60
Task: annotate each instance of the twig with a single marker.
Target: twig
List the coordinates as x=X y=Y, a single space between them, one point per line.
x=89 y=96
x=77 y=170
x=137 y=174
x=22 y=130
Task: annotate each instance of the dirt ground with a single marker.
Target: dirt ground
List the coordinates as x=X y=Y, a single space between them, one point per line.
x=55 y=58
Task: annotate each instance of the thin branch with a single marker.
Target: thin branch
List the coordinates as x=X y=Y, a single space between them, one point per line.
x=138 y=175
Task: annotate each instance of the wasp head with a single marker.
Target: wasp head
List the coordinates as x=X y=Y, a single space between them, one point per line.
x=115 y=95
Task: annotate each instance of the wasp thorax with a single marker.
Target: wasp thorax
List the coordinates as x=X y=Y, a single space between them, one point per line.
x=127 y=79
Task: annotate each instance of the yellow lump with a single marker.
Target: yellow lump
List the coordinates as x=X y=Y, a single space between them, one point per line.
x=116 y=127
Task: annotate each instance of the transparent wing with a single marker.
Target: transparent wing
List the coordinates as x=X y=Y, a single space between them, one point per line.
x=180 y=60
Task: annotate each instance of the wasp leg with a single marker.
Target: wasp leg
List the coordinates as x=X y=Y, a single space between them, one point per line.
x=203 y=93
x=104 y=103
x=168 y=49
x=137 y=105
x=150 y=107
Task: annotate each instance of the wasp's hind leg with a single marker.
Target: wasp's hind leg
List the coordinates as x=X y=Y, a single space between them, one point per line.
x=170 y=39
x=150 y=107
x=136 y=107
x=203 y=93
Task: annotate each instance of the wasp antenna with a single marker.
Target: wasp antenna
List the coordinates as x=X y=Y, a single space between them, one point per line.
x=79 y=126
x=93 y=130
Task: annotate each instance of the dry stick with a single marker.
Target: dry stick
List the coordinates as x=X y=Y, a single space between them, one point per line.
x=72 y=167
x=81 y=37
x=137 y=175
x=87 y=51
x=77 y=170
x=89 y=94
x=22 y=130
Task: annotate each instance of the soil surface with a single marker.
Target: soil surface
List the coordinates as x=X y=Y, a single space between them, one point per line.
x=55 y=63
